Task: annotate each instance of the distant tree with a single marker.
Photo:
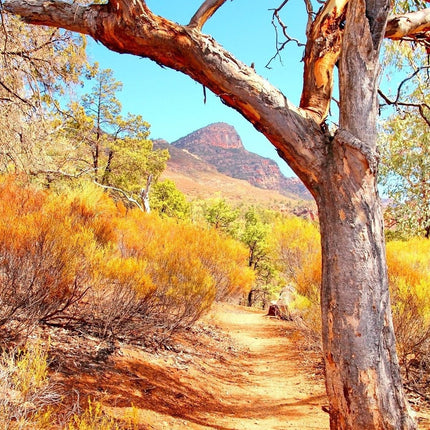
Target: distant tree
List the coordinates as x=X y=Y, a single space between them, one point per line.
x=405 y=172
x=404 y=144
x=111 y=149
x=168 y=200
x=220 y=214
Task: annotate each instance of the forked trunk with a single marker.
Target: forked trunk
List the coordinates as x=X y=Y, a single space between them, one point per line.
x=363 y=380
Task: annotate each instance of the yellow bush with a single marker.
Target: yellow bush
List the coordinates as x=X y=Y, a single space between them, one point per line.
x=93 y=418
x=409 y=277
x=79 y=261
x=27 y=397
x=298 y=253
x=189 y=266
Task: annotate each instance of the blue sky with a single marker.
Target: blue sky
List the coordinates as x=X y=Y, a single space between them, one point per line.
x=173 y=103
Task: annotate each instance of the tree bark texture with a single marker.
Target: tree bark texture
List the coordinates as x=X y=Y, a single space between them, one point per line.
x=362 y=373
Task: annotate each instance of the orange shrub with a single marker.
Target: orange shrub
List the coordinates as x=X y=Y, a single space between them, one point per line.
x=41 y=271
x=190 y=266
x=78 y=261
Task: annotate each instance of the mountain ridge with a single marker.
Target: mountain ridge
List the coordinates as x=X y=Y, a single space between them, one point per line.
x=220 y=145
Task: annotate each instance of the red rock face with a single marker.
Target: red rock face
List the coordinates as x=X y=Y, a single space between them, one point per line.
x=219 y=135
x=219 y=145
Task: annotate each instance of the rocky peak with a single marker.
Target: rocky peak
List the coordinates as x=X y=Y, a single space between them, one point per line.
x=219 y=134
x=220 y=146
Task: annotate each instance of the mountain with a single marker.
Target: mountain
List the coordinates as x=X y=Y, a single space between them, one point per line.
x=198 y=179
x=221 y=147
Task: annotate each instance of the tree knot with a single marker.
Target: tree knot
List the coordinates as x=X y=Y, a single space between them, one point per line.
x=344 y=137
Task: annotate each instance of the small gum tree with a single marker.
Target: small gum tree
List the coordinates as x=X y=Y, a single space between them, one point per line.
x=339 y=168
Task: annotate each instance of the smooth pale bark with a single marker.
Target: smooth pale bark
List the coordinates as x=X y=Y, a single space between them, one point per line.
x=363 y=381
x=409 y=25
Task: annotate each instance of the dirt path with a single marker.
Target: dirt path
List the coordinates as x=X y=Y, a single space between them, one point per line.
x=277 y=393
x=257 y=376
x=255 y=379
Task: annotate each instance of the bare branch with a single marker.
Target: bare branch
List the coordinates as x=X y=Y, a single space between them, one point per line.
x=278 y=23
x=124 y=193
x=414 y=26
x=205 y=11
x=422 y=107
x=15 y=94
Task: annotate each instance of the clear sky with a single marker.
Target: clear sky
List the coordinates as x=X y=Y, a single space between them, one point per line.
x=173 y=103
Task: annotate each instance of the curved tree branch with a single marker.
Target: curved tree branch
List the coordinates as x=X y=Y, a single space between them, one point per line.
x=205 y=11
x=321 y=55
x=132 y=28
x=408 y=25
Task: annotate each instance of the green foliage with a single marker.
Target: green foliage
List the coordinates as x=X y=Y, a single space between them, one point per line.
x=255 y=236
x=220 y=215
x=405 y=173
x=167 y=200
x=404 y=143
x=111 y=149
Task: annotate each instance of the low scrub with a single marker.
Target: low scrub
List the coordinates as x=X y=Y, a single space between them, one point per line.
x=27 y=396
x=79 y=261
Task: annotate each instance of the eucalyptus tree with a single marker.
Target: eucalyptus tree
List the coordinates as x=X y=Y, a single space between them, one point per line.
x=405 y=139
x=112 y=149
x=339 y=167
x=405 y=172
x=38 y=66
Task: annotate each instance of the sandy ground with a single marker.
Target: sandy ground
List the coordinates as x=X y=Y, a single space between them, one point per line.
x=249 y=372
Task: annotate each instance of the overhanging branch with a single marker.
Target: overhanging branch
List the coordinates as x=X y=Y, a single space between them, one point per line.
x=410 y=26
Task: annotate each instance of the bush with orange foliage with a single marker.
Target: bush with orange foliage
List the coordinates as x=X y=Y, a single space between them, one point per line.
x=77 y=260
x=42 y=272
x=189 y=266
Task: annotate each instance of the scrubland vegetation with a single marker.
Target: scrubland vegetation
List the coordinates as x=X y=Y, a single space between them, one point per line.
x=84 y=262
x=80 y=261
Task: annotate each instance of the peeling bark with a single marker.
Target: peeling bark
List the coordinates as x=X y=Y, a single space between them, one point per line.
x=363 y=378
x=321 y=54
x=409 y=25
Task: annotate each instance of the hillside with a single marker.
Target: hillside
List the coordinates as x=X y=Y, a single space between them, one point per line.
x=213 y=159
x=198 y=179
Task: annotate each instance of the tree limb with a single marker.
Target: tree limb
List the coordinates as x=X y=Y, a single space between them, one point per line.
x=124 y=193
x=205 y=11
x=408 y=25
x=322 y=52
x=296 y=135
